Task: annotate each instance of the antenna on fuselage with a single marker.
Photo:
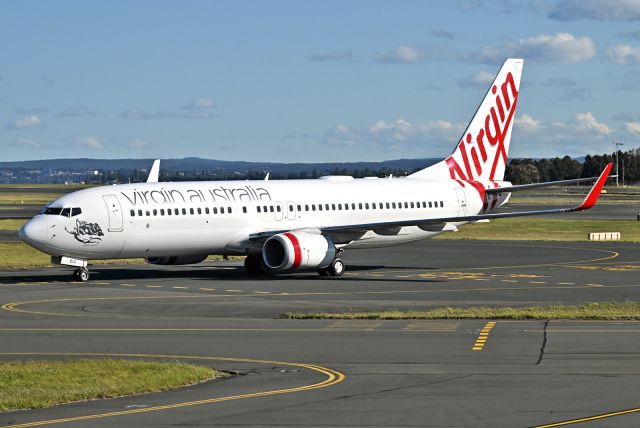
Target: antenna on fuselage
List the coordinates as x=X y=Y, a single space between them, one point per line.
x=155 y=172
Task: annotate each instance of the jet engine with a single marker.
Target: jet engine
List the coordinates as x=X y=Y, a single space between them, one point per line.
x=298 y=251
x=176 y=260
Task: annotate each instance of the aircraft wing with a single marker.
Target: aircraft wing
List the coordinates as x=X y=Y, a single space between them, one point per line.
x=521 y=187
x=589 y=201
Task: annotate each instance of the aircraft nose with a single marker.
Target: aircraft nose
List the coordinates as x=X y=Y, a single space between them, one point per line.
x=34 y=231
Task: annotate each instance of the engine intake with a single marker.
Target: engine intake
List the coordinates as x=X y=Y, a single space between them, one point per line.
x=297 y=251
x=176 y=260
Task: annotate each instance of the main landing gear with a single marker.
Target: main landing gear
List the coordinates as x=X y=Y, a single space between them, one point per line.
x=81 y=275
x=336 y=268
x=254 y=265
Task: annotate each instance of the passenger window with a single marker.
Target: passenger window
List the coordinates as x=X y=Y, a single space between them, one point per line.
x=412 y=206
x=360 y=205
x=168 y=211
x=346 y=207
x=140 y=213
x=333 y=207
x=430 y=204
x=191 y=211
x=326 y=207
x=132 y=213
x=147 y=213
x=155 y=212
x=244 y=210
x=75 y=212
x=319 y=207
x=387 y=205
x=306 y=207
x=199 y=210
x=424 y=204
x=265 y=208
x=393 y=204
x=184 y=211
x=215 y=210
x=258 y=208
x=221 y=210
x=290 y=207
x=353 y=206
x=313 y=207
x=373 y=205
x=270 y=209
x=161 y=211
x=278 y=208
x=340 y=207
x=366 y=205
x=206 y=210
x=406 y=204
x=441 y=204
x=299 y=208
x=229 y=210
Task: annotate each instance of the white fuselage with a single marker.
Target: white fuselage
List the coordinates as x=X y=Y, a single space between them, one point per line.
x=219 y=217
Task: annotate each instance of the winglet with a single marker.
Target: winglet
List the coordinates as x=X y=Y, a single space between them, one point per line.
x=155 y=172
x=594 y=193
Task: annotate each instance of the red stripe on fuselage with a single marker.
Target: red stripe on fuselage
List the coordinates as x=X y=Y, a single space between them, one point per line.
x=297 y=253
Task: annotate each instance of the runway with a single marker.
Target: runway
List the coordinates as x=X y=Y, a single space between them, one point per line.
x=445 y=373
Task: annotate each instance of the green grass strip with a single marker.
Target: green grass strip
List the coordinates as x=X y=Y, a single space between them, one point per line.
x=38 y=384
x=592 y=311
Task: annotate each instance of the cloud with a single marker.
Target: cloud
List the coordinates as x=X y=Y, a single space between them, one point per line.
x=610 y=10
x=527 y=124
x=442 y=34
x=90 y=143
x=27 y=122
x=332 y=56
x=26 y=143
x=632 y=128
x=440 y=135
x=136 y=114
x=136 y=143
x=480 y=79
x=633 y=35
x=199 y=104
x=78 y=111
x=31 y=110
x=412 y=55
x=624 y=54
x=561 y=48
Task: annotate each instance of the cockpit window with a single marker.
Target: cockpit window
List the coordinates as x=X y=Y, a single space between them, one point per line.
x=52 y=211
x=67 y=212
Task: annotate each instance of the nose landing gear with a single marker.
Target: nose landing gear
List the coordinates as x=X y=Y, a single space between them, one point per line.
x=81 y=275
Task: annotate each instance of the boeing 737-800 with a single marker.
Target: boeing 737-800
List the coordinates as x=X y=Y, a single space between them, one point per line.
x=290 y=225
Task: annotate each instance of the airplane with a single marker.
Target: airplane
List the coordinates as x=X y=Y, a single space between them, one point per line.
x=295 y=225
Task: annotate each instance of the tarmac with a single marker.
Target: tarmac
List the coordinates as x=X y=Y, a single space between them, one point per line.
x=369 y=373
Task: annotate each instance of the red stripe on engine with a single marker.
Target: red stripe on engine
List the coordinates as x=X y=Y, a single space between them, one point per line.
x=297 y=254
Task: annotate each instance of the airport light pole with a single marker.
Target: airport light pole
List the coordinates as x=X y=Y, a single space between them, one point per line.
x=618 y=144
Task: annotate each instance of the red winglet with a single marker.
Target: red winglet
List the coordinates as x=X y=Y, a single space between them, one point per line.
x=594 y=193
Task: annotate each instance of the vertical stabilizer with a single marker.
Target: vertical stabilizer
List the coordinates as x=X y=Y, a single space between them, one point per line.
x=154 y=174
x=482 y=151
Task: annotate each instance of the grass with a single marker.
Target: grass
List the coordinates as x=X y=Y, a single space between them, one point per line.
x=592 y=311
x=543 y=229
x=39 y=384
x=12 y=224
x=27 y=198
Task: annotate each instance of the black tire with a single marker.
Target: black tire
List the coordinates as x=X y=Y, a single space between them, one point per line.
x=83 y=274
x=337 y=267
x=76 y=276
x=254 y=265
x=323 y=271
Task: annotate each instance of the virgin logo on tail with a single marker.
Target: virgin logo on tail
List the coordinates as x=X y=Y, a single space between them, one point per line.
x=482 y=153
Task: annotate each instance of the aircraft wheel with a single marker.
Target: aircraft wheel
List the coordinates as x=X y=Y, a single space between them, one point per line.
x=323 y=271
x=81 y=275
x=336 y=268
x=254 y=265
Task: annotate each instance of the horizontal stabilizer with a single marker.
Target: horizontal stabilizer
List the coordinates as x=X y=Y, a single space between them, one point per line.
x=509 y=189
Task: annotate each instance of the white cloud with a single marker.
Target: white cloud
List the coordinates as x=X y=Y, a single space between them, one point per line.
x=412 y=55
x=561 y=48
x=624 y=54
x=481 y=79
x=632 y=128
x=609 y=10
x=199 y=104
x=192 y=113
x=136 y=143
x=332 y=56
x=438 y=134
x=587 y=123
x=27 y=122
x=90 y=143
x=527 y=124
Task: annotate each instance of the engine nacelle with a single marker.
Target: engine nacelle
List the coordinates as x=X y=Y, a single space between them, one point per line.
x=298 y=250
x=176 y=260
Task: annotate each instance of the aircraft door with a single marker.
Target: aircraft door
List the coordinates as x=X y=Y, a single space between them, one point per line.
x=115 y=213
x=462 y=202
x=279 y=212
x=291 y=210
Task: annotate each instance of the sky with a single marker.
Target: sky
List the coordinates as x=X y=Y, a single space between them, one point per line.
x=303 y=81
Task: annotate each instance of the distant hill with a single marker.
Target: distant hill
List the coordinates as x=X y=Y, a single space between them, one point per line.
x=194 y=163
